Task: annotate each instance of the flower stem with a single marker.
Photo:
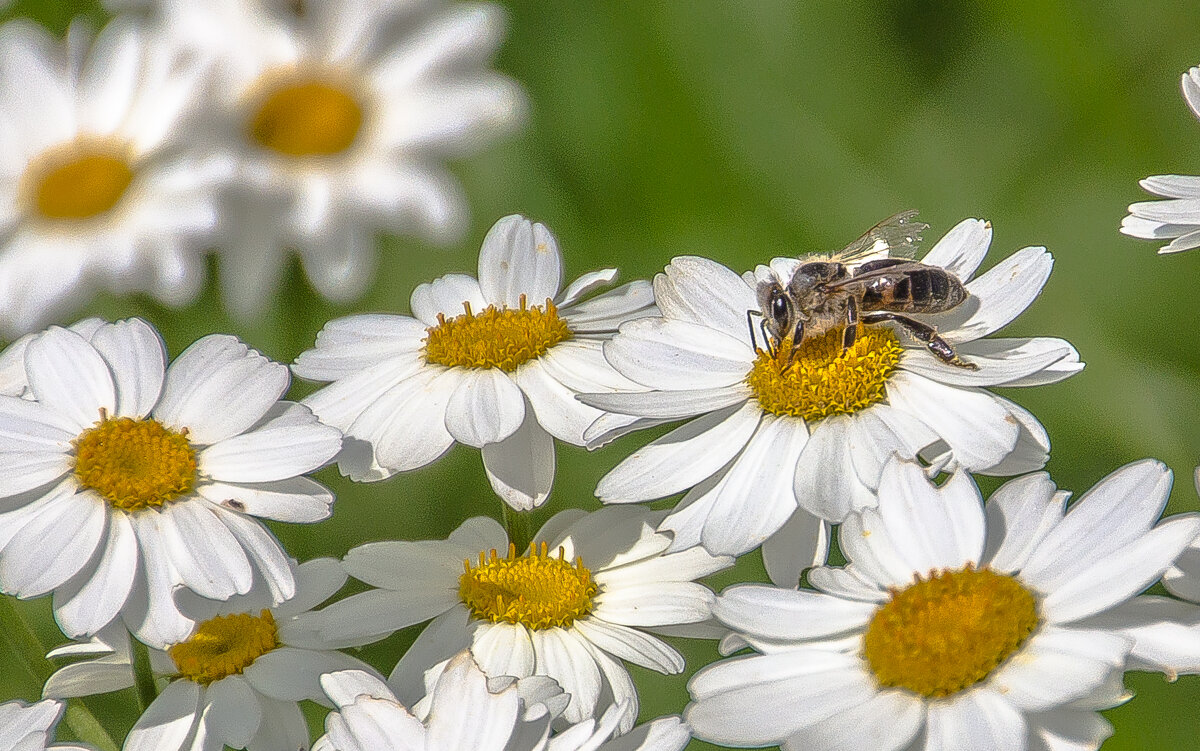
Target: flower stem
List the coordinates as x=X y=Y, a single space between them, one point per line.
x=24 y=645
x=143 y=674
x=516 y=525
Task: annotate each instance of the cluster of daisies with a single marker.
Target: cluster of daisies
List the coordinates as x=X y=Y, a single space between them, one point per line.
x=133 y=486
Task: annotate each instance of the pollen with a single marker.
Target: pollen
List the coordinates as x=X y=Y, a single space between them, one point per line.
x=536 y=589
x=820 y=378
x=135 y=464
x=307 y=118
x=946 y=633
x=77 y=181
x=503 y=338
x=225 y=645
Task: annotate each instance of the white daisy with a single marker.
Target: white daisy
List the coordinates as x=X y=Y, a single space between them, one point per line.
x=235 y=681
x=122 y=479
x=1178 y=218
x=494 y=363
x=30 y=727
x=465 y=709
x=952 y=625
x=339 y=121
x=571 y=608
x=834 y=416
x=98 y=185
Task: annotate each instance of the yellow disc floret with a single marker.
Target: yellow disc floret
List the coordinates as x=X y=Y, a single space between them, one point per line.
x=503 y=338
x=135 y=464
x=950 y=631
x=307 y=118
x=820 y=378
x=77 y=181
x=535 y=589
x=225 y=646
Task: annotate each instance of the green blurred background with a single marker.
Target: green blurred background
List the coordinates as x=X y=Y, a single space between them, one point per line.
x=742 y=131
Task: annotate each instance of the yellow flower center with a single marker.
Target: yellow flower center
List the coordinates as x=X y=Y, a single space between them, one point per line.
x=224 y=646
x=533 y=589
x=307 y=118
x=820 y=378
x=949 y=632
x=79 y=180
x=496 y=338
x=135 y=464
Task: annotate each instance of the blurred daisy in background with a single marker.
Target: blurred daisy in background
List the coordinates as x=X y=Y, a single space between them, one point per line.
x=123 y=478
x=234 y=681
x=493 y=362
x=464 y=709
x=949 y=620
x=99 y=188
x=1176 y=219
x=588 y=590
x=30 y=727
x=337 y=121
x=813 y=428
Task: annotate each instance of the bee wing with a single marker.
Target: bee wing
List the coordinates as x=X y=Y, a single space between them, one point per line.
x=888 y=271
x=894 y=237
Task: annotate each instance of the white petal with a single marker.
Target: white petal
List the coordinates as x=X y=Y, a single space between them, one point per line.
x=1172 y=186
x=934 y=528
x=519 y=258
x=346 y=346
x=69 y=376
x=705 y=292
x=975 y=425
x=289 y=674
x=631 y=645
x=1059 y=666
x=54 y=545
x=790 y=614
x=886 y=722
x=521 y=467
x=207 y=556
x=486 y=407
x=561 y=657
x=589 y=282
x=999 y=362
x=264 y=550
x=1165 y=632
x=219 y=387
x=961 y=250
x=670 y=405
x=1020 y=513
x=168 y=721
x=504 y=649
x=1001 y=294
x=662 y=353
x=824 y=476
x=406 y=426
x=236 y=713
x=288 y=442
x=989 y=721
x=96 y=599
x=296 y=499
x=137 y=356
x=441 y=639
x=605 y=313
x=681 y=458
x=464 y=715
x=446 y=295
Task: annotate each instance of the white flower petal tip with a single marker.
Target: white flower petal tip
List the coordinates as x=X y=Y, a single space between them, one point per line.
x=225 y=451
x=638 y=586
x=1071 y=581
x=492 y=363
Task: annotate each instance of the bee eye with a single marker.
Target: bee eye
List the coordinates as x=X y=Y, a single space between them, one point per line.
x=779 y=308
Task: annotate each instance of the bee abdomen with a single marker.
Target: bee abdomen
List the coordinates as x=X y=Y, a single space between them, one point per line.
x=930 y=290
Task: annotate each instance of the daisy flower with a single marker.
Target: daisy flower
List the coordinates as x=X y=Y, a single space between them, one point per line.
x=235 y=681
x=29 y=727
x=812 y=428
x=571 y=608
x=1178 y=218
x=953 y=625
x=339 y=121
x=494 y=363
x=467 y=710
x=98 y=188
x=123 y=479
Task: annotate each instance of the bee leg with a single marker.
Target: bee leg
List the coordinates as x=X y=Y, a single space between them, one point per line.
x=750 y=325
x=850 y=333
x=923 y=332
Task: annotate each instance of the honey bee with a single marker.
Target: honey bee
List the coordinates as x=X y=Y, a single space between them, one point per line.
x=826 y=294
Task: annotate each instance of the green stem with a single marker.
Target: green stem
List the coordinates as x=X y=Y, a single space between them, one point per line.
x=516 y=525
x=29 y=651
x=143 y=674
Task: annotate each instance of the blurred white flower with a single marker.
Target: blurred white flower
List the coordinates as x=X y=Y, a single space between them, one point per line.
x=587 y=591
x=494 y=363
x=338 y=121
x=814 y=430
x=235 y=681
x=122 y=479
x=952 y=625
x=29 y=727
x=98 y=188
x=464 y=709
x=1176 y=219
